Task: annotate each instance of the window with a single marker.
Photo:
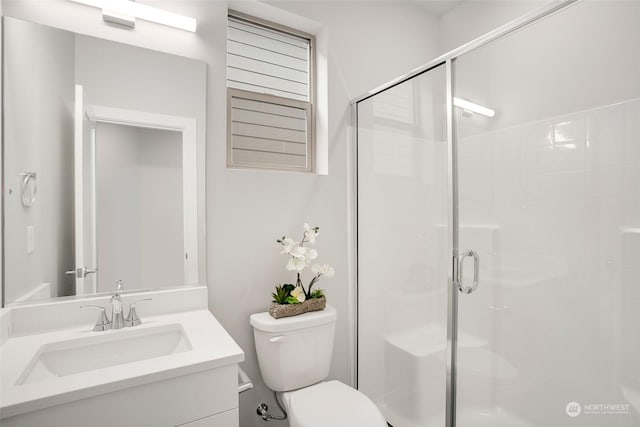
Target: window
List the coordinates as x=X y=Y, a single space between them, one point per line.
x=270 y=95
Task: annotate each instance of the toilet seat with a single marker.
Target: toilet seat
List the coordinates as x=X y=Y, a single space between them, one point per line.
x=331 y=404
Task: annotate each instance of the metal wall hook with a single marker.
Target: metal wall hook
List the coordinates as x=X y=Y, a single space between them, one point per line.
x=28 y=189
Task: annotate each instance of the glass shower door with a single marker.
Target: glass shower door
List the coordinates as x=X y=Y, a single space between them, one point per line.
x=402 y=250
x=549 y=197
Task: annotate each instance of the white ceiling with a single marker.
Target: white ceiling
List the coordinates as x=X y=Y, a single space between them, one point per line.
x=439 y=7
x=434 y=7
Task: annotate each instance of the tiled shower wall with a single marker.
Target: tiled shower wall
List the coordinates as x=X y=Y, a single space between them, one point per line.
x=560 y=281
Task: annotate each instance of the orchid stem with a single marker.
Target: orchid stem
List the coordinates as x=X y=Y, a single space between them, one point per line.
x=313 y=281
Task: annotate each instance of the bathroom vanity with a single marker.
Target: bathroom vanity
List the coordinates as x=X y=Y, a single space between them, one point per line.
x=178 y=368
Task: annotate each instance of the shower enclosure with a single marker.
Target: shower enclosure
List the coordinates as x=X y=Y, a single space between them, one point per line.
x=498 y=228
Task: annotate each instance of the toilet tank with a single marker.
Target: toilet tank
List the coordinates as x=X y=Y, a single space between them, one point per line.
x=294 y=352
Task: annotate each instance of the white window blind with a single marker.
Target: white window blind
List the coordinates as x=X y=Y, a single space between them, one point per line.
x=264 y=60
x=269 y=79
x=266 y=133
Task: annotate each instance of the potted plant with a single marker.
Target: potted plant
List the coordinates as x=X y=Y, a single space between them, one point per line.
x=292 y=299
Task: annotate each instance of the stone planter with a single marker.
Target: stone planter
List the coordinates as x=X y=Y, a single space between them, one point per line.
x=285 y=310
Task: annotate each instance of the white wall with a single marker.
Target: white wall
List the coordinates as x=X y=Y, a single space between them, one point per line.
x=39 y=138
x=139 y=207
x=471 y=19
x=359 y=35
x=368 y=44
x=2 y=298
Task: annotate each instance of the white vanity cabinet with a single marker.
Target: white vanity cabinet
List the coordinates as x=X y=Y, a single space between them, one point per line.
x=175 y=369
x=201 y=399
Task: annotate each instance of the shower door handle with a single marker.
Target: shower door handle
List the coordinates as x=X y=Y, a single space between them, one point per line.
x=476 y=272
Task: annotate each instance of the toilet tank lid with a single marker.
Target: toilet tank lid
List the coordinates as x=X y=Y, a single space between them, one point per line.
x=264 y=321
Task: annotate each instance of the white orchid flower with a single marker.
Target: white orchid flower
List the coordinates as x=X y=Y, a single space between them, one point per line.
x=298 y=293
x=325 y=270
x=310 y=234
x=296 y=264
x=310 y=254
x=330 y=272
x=298 y=252
x=302 y=257
x=289 y=245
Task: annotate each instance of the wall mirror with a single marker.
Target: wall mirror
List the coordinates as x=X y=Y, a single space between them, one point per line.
x=103 y=165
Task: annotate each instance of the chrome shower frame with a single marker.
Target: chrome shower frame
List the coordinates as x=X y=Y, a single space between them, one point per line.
x=448 y=60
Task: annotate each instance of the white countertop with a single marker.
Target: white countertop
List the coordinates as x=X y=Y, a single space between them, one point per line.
x=212 y=347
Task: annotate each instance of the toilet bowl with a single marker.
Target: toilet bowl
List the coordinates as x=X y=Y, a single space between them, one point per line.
x=294 y=355
x=331 y=404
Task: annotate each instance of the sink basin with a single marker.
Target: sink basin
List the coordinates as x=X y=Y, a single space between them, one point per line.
x=103 y=350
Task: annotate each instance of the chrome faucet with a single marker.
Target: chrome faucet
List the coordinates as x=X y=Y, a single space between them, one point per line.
x=117 y=318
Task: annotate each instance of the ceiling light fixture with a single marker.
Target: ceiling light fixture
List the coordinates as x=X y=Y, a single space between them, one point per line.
x=470 y=106
x=128 y=10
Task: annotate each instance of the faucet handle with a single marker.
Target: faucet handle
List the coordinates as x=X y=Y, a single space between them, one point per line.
x=132 y=318
x=103 y=323
x=119 y=286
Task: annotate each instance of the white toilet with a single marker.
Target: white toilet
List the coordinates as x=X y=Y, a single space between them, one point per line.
x=294 y=354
